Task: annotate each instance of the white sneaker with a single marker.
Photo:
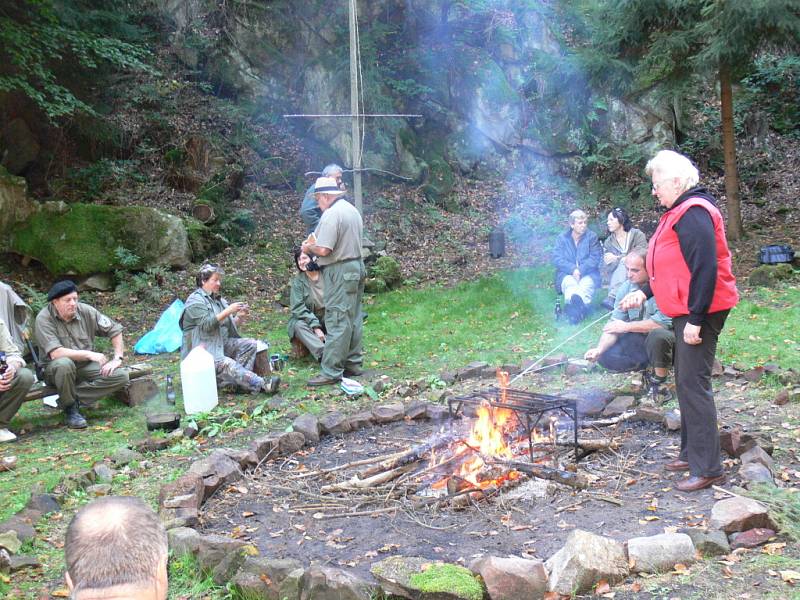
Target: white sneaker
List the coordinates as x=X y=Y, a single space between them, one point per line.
x=7 y=436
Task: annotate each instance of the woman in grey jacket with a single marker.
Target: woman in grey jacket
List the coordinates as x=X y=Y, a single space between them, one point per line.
x=623 y=239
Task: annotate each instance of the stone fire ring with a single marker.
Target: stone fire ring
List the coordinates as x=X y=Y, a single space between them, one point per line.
x=578 y=566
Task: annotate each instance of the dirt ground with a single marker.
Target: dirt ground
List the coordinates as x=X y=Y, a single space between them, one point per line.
x=630 y=495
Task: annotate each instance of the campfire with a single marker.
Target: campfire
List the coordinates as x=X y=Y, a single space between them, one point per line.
x=513 y=435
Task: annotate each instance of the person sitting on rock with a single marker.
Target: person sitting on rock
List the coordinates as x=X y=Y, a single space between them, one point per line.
x=307 y=322
x=15 y=313
x=208 y=319
x=65 y=332
x=116 y=547
x=636 y=338
x=623 y=237
x=576 y=257
x=15 y=381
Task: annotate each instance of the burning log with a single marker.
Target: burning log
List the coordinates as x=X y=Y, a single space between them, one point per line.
x=565 y=477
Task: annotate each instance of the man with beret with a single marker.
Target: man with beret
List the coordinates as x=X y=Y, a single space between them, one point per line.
x=15 y=381
x=337 y=242
x=65 y=332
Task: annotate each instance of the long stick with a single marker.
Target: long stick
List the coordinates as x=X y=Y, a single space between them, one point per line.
x=557 y=346
x=412 y=454
x=355 y=463
x=356 y=483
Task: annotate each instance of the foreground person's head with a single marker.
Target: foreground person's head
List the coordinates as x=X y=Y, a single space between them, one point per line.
x=116 y=549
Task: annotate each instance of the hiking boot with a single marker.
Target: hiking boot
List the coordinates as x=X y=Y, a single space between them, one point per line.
x=322 y=379
x=6 y=435
x=354 y=371
x=73 y=418
x=576 y=309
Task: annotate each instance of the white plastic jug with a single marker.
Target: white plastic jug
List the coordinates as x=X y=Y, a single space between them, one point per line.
x=198 y=381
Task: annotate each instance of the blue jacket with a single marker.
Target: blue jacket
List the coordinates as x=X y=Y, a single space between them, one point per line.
x=586 y=256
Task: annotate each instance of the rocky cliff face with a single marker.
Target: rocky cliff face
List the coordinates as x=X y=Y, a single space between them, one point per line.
x=490 y=83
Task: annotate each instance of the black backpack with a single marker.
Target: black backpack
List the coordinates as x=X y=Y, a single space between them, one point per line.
x=771 y=255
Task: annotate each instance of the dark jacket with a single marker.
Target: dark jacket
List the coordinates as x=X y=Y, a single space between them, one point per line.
x=586 y=256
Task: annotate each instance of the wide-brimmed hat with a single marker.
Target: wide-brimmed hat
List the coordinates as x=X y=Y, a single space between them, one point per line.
x=327 y=185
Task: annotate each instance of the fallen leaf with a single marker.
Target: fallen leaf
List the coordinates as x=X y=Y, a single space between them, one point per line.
x=602 y=587
x=60 y=593
x=774 y=548
x=789 y=576
x=247 y=513
x=636 y=587
x=727 y=572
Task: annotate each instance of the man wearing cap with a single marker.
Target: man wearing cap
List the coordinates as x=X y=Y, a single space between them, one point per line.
x=337 y=243
x=15 y=381
x=309 y=209
x=65 y=332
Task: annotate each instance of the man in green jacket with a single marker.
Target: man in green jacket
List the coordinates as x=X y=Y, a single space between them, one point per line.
x=337 y=243
x=15 y=381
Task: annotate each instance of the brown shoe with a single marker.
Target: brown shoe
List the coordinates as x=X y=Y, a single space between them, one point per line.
x=677 y=465
x=322 y=380
x=354 y=371
x=698 y=483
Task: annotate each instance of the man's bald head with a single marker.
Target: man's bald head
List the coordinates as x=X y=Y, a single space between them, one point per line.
x=116 y=542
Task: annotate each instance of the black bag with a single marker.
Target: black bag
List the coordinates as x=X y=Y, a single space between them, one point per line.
x=772 y=255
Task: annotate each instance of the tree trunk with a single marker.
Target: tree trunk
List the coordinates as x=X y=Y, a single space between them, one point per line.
x=729 y=152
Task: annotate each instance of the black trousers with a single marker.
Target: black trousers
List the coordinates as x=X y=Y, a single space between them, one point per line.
x=699 y=433
x=634 y=351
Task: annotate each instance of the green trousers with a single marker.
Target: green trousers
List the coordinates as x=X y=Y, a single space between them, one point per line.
x=344 y=287
x=82 y=381
x=12 y=399
x=309 y=339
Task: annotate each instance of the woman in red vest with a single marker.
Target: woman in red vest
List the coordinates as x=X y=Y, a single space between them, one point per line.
x=690 y=275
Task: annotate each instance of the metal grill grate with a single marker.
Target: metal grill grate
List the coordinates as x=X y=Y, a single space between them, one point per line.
x=529 y=407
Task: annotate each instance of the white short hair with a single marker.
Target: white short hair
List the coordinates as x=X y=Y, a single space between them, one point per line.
x=577 y=214
x=671 y=165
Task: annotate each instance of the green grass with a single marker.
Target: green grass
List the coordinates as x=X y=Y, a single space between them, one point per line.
x=762 y=329
x=411 y=334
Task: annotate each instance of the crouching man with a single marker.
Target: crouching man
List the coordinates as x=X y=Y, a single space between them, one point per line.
x=15 y=381
x=636 y=338
x=65 y=332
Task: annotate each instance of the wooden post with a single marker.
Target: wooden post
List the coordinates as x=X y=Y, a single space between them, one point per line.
x=355 y=146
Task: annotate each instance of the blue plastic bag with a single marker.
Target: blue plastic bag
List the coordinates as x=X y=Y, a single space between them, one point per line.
x=166 y=336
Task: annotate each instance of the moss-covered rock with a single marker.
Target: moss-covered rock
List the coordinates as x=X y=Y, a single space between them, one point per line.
x=202 y=240
x=387 y=269
x=771 y=275
x=83 y=238
x=417 y=577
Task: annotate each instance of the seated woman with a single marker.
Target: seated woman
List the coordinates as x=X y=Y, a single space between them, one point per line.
x=307 y=322
x=209 y=320
x=623 y=239
x=576 y=257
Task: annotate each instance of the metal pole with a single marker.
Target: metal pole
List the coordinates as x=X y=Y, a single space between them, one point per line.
x=355 y=145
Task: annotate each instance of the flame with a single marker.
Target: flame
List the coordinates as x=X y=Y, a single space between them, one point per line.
x=492 y=435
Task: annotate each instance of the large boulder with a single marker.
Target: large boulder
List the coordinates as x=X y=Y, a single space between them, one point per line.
x=328 y=583
x=662 y=552
x=84 y=238
x=740 y=514
x=584 y=560
x=511 y=578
